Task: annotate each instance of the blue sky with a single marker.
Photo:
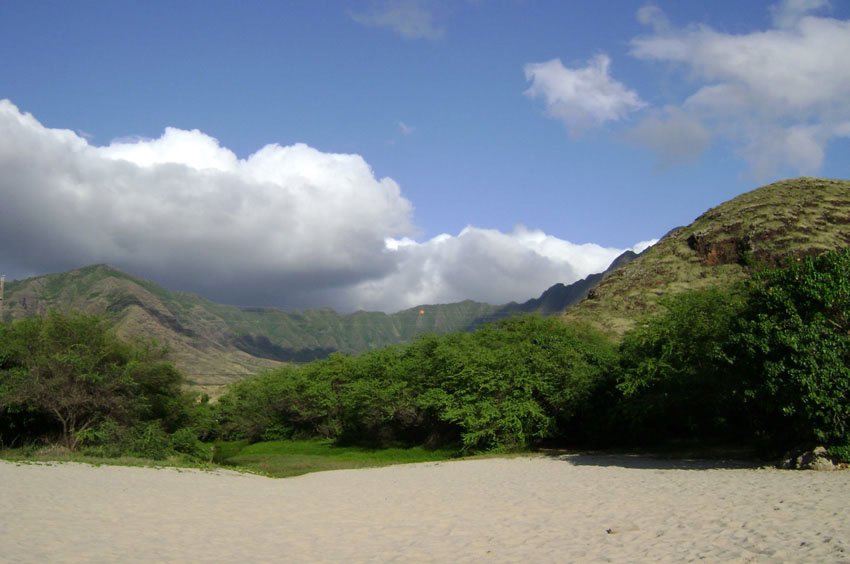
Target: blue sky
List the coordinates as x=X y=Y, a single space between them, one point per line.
x=591 y=125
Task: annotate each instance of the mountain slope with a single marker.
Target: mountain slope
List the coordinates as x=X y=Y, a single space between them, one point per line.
x=764 y=227
x=213 y=343
x=558 y=298
x=192 y=328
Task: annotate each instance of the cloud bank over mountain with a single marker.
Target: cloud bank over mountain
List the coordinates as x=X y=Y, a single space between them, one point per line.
x=287 y=226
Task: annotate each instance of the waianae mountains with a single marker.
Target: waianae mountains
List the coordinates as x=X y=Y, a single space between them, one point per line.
x=216 y=344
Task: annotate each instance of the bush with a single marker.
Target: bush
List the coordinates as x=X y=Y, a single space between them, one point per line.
x=506 y=386
x=151 y=441
x=840 y=453
x=185 y=442
x=793 y=349
x=674 y=375
x=66 y=375
x=107 y=440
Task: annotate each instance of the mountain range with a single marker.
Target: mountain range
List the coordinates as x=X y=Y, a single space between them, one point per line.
x=216 y=344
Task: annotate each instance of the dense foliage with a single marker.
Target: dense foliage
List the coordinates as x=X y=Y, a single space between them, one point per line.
x=506 y=386
x=674 y=375
x=68 y=377
x=766 y=362
x=792 y=349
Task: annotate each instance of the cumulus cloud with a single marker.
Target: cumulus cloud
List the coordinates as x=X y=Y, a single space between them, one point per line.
x=185 y=210
x=788 y=13
x=674 y=135
x=408 y=18
x=582 y=97
x=522 y=263
x=792 y=79
x=287 y=226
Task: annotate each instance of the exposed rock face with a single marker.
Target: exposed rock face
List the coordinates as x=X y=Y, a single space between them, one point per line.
x=815 y=459
x=731 y=250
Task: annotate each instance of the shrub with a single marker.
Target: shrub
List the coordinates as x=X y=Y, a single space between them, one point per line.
x=184 y=441
x=674 y=376
x=65 y=375
x=841 y=453
x=151 y=441
x=793 y=346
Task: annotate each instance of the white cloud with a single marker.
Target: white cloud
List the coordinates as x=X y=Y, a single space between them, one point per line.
x=788 y=13
x=643 y=245
x=494 y=267
x=653 y=16
x=287 y=226
x=177 y=146
x=408 y=18
x=672 y=134
x=581 y=97
x=775 y=93
x=405 y=129
x=799 y=147
x=186 y=211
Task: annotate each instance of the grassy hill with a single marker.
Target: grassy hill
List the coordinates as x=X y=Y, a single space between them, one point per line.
x=764 y=227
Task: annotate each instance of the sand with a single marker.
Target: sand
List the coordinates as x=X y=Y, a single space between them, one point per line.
x=574 y=508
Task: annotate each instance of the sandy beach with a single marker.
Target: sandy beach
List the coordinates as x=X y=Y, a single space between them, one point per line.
x=573 y=508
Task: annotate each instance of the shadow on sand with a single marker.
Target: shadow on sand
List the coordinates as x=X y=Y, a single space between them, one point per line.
x=655 y=462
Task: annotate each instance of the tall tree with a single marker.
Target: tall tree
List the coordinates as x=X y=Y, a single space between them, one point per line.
x=72 y=369
x=793 y=347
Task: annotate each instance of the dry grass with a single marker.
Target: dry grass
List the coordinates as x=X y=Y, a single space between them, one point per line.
x=765 y=227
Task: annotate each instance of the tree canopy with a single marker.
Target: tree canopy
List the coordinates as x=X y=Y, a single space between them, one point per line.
x=68 y=374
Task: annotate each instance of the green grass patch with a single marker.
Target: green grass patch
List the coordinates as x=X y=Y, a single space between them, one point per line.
x=281 y=459
x=29 y=455
x=276 y=459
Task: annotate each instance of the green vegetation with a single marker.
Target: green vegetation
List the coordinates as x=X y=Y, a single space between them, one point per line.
x=68 y=378
x=769 y=362
x=792 y=348
x=215 y=344
x=764 y=363
x=674 y=376
x=282 y=459
x=709 y=338
x=504 y=387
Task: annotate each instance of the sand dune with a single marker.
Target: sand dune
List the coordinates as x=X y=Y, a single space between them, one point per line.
x=576 y=508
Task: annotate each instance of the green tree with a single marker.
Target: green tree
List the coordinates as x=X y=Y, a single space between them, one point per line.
x=514 y=383
x=793 y=349
x=72 y=370
x=674 y=377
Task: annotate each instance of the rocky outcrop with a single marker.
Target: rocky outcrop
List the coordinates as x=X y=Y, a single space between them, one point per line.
x=815 y=459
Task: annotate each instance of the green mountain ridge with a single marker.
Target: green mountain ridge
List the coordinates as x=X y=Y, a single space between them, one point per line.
x=215 y=344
